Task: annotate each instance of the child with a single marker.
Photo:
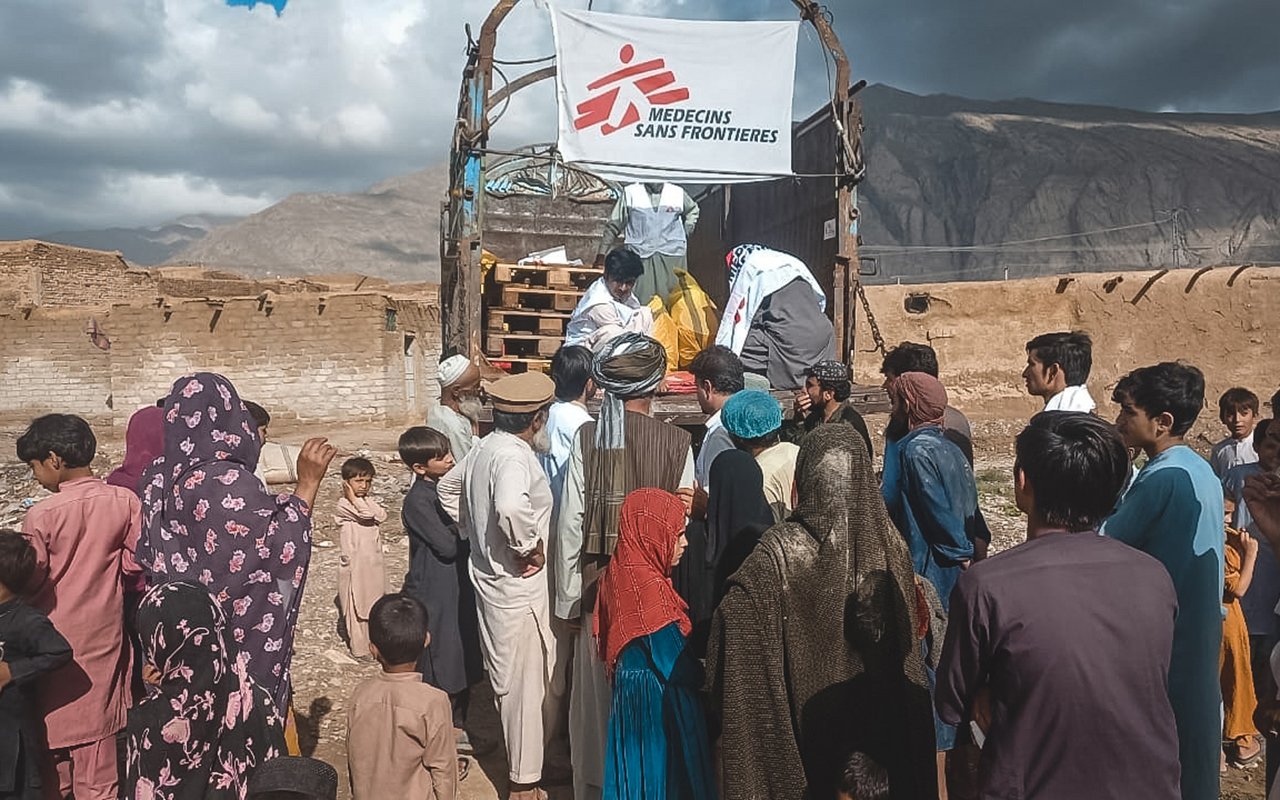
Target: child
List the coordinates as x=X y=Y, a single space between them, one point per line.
x=862 y=779
x=438 y=575
x=1173 y=511
x=1238 y=410
x=294 y=778
x=29 y=647
x=399 y=738
x=361 y=575
x=657 y=735
x=1238 y=698
x=84 y=537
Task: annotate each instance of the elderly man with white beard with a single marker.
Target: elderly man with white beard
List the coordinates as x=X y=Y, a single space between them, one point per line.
x=503 y=503
x=459 y=408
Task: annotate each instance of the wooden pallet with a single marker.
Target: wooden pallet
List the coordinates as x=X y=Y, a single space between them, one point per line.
x=531 y=298
x=540 y=323
x=517 y=365
x=546 y=276
x=521 y=345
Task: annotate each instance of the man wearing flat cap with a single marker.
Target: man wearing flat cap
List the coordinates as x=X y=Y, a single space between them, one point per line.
x=625 y=450
x=504 y=508
x=825 y=399
x=459 y=407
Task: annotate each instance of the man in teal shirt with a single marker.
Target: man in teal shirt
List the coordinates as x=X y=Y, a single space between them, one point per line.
x=1173 y=511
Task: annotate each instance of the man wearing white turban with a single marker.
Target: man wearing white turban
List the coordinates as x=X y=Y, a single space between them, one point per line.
x=459 y=408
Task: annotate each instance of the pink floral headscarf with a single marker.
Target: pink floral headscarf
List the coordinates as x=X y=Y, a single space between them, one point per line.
x=208 y=726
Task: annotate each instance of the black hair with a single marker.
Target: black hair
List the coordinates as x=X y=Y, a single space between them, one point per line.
x=261 y=417
x=840 y=389
x=1167 y=387
x=623 y=265
x=910 y=357
x=571 y=369
x=764 y=442
x=66 y=435
x=1073 y=352
x=863 y=779
x=721 y=366
x=398 y=628
x=421 y=444
x=1237 y=398
x=1260 y=430
x=17 y=561
x=1275 y=403
x=1076 y=466
x=513 y=421
x=358 y=467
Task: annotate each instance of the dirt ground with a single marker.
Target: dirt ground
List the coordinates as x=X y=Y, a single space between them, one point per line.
x=325 y=672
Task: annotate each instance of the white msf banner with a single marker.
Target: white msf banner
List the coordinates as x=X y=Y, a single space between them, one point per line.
x=681 y=100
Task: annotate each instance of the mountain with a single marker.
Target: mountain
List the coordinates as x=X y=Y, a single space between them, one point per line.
x=390 y=230
x=144 y=246
x=959 y=188
x=956 y=189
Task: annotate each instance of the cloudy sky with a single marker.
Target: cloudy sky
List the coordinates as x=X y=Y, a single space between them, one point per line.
x=135 y=113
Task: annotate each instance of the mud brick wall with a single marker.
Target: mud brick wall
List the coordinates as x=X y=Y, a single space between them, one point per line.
x=1225 y=320
x=41 y=274
x=48 y=363
x=333 y=359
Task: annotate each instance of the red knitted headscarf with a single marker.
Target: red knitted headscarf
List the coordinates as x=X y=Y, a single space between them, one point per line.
x=923 y=398
x=635 y=596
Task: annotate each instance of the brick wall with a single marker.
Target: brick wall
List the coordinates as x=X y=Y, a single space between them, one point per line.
x=47 y=363
x=306 y=357
x=42 y=274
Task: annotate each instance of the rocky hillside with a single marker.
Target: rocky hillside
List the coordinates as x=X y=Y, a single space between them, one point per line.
x=957 y=189
x=390 y=230
x=951 y=177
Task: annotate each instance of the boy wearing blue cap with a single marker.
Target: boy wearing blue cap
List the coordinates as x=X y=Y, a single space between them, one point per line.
x=753 y=420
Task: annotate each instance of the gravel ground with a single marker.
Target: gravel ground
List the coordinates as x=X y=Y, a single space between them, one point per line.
x=325 y=673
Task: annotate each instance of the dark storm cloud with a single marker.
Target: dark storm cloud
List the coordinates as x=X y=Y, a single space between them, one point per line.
x=101 y=104
x=80 y=51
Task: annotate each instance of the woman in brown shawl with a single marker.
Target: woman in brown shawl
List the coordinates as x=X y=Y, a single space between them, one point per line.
x=814 y=650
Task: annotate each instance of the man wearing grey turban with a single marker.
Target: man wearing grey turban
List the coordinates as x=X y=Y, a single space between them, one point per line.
x=625 y=450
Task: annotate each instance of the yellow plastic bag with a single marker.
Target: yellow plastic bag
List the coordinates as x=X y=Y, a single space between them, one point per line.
x=694 y=315
x=666 y=332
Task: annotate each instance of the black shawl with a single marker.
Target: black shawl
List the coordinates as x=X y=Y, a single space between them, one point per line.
x=813 y=653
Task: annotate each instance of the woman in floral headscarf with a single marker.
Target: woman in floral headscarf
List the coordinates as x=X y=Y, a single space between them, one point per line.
x=208 y=726
x=206 y=518
x=774 y=318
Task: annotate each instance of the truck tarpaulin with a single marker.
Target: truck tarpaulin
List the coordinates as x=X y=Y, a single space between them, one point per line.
x=681 y=100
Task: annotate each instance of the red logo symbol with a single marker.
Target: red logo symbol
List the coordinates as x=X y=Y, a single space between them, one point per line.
x=645 y=84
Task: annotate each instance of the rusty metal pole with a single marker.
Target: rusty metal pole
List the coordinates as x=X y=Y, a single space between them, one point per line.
x=847 y=120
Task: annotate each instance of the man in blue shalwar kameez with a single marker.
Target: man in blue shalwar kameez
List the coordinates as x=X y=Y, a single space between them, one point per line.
x=1173 y=511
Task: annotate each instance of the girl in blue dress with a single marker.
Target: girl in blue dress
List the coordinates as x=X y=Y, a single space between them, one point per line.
x=657 y=745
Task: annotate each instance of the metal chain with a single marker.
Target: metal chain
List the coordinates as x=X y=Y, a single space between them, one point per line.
x=871 y=321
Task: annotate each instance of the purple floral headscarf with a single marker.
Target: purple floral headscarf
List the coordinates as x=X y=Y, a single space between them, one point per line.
x=208 y=726
x=206 y=518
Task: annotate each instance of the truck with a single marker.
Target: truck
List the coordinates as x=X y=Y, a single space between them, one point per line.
x=504 y=204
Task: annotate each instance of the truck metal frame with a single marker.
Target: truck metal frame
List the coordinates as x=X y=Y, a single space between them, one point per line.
x=462 y=229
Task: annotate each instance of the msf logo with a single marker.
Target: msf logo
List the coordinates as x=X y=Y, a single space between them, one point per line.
x=625 y=91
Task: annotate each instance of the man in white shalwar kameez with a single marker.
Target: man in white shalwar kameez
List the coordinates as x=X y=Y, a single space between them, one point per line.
x=610 y=308
x=504 y=508
x=459 y=404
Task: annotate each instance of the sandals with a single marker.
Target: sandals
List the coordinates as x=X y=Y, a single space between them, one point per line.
x=464 y=768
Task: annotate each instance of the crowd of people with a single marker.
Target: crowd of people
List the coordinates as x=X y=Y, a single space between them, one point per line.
x=757 y=613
